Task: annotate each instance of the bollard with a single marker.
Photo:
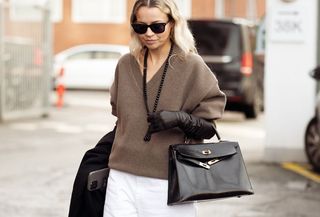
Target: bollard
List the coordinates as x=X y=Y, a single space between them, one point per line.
x=60 y=93
x=60 y=89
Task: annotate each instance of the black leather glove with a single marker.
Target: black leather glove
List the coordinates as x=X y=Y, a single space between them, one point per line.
x=162 y=120
x=192 y=126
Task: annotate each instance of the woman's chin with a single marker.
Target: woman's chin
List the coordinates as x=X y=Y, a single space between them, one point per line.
x=151 y=45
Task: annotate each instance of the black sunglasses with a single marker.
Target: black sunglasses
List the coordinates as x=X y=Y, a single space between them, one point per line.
x=155 y=27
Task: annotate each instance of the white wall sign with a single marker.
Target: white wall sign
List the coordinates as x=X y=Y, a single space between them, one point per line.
x=289 y=90
x=288 y=23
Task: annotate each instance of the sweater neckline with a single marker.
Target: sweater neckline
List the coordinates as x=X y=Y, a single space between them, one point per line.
x=138 y=75
x=154 y=81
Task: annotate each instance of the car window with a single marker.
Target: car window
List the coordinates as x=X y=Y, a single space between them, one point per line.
x=106 y=55
x=216 y=38
x=81 y=56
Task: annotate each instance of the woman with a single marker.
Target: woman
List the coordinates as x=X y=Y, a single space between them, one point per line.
x=163 y=92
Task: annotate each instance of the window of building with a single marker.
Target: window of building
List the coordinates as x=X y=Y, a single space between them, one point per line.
x=99 y=11
x=185 y=7
x=56 y=10
x=31 y=10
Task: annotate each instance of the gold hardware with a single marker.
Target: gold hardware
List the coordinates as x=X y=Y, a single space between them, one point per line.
x=206 y=166
x=211 y=162
x=206 y=152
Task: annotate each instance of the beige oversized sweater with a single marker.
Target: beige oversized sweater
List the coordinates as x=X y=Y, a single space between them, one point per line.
x=189 y=86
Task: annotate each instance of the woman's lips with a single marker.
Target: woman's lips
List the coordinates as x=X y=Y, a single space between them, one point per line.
x=150 y=41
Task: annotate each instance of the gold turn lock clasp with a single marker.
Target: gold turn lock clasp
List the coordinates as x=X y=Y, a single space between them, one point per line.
x=206 y=152
x=206 y=166
x=214 y=161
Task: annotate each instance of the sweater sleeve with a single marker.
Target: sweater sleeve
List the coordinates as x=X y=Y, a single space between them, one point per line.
x=211 y=106
x=211 y=101
x=114 y=92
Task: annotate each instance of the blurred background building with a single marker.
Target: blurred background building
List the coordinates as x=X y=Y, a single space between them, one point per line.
x=106 y=21
x=33 y=31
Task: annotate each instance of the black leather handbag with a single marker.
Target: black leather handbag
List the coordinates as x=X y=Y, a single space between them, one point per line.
x=206 y=171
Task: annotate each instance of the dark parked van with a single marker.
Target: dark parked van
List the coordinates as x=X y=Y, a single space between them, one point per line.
x=227 y=47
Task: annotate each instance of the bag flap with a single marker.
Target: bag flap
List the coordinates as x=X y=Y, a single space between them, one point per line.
x=207 y=150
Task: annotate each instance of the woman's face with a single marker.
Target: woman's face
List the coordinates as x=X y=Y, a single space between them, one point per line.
x=150 y=39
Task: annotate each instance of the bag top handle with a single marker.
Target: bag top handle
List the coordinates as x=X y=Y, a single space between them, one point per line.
x=215 y=129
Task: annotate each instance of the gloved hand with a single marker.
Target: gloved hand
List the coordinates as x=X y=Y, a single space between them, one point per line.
x=162 y=120
x=192 y=126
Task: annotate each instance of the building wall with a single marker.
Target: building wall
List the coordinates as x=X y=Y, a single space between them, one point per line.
x=235 y=8
x=261 y=8
x=68 y=34
x=203 y=9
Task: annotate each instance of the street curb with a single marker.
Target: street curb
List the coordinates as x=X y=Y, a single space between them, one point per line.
x=303 y=170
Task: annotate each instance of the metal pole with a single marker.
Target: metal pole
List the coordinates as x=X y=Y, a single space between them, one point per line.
x=234 y=6
x=47 y=51
x=318 y=44
x=2 y=94
x=219 y=9
x=318 y=34
x=252 y=10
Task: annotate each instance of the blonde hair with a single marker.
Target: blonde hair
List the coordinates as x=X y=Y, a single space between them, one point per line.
x=180 y=35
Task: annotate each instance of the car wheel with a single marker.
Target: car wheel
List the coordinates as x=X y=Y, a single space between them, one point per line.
x=312 y=144
x=253 y=110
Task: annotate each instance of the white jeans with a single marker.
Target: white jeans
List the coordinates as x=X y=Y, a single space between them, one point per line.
x=136 y=196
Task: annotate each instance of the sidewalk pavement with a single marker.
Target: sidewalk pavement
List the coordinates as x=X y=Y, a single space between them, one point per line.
x=39 y=159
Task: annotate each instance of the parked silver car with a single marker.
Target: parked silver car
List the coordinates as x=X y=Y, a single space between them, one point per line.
x=88 y=66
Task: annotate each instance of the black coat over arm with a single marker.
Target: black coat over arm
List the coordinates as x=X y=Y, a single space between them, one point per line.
x=85 y=203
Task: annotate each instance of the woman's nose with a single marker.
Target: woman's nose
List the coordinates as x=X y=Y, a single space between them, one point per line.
x=149 y=32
